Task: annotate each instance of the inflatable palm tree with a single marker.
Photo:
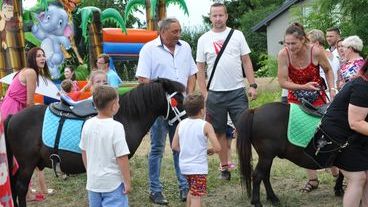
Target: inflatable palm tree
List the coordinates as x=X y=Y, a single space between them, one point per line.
x=155 y=9
x=92 y=19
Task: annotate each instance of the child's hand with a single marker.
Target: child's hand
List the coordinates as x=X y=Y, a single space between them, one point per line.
x=127 y=189
x=210 y=151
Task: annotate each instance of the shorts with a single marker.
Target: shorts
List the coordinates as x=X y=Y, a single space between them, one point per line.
x=197 y=184
x=221 y=103
x=108 y=199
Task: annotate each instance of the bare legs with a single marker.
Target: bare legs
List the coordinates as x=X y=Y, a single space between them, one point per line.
x=223 y=152
x=356 y=183
x=193 y=201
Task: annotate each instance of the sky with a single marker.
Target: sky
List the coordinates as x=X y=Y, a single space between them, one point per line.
x=196 y=8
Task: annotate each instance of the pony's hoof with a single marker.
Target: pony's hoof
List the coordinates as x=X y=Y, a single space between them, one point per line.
x=274 y=200
x=256 y=203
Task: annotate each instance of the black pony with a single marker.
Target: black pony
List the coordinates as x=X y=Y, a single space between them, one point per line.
x=138 y=110
x=266 y=129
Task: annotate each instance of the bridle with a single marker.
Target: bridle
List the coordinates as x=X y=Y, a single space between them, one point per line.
x=172 y=103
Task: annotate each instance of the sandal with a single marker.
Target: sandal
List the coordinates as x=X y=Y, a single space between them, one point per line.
x=36 y=197
x=308 y=187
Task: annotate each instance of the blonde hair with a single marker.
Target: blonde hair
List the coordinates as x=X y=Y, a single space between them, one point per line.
x=95 y=73
x=316 y=35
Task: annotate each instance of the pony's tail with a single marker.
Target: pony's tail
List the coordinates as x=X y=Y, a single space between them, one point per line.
x=244 y=147
x=9 y=152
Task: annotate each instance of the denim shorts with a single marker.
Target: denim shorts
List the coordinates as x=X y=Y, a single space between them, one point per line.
x=220 y=103
x=115 y=198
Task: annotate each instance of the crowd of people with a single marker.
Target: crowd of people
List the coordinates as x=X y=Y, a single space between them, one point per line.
x=306 y=70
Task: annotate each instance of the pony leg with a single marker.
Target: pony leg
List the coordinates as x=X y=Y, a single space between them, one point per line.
x=22 y=185
x=271 y=196
x=258 y=176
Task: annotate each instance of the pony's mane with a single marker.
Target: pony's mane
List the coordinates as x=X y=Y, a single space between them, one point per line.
x=147 y=97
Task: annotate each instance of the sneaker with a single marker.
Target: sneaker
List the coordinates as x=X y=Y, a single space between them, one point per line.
x=183 y=195
x=225 y=175
x=158 y=198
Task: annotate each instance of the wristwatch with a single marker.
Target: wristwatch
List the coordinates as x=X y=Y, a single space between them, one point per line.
x=253 y=85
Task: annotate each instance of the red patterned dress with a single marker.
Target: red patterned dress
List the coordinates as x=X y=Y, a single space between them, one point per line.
x=5 y=190
x=303 y=76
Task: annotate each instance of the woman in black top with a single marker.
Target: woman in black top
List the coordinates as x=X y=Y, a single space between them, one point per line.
x=346 y=118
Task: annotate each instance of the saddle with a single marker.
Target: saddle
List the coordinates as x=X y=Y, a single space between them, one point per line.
x=309 y=109
x=81 y=110
x=66 y=110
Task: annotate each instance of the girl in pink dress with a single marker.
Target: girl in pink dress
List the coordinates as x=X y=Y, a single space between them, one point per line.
x=20 y=95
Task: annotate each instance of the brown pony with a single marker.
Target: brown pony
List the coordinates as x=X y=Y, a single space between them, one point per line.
x=266 y=129
x=138 y=110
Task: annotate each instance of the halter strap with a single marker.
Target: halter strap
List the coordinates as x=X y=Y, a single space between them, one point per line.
x=176 y=111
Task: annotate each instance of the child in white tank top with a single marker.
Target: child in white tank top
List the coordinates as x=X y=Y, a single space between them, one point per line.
x=190 y=139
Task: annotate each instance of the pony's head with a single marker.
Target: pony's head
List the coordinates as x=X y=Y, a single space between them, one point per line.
x=160 y=97
x=174 y=96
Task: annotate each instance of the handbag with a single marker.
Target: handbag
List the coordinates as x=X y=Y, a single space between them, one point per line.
x=218 y=57
x=307 y=95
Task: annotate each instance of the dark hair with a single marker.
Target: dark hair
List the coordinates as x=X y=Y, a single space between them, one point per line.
x=339 y=40
x=193 y=104
x=334 y=29
x=32 y=63
x=297 y=30
x=218 y=4
x=71 y=70
x=66 y=85
x=106 y=58
x=103 y=95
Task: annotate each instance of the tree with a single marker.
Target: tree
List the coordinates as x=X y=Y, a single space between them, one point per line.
x=92 y=19
x=348 y=15
x=152 y=15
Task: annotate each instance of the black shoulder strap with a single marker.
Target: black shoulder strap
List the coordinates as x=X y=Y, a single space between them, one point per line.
x=218 y=57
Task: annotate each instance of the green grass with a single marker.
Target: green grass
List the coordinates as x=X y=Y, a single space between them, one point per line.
x=286 y=179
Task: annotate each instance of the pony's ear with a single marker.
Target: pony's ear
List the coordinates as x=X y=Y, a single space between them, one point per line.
x=171 y=86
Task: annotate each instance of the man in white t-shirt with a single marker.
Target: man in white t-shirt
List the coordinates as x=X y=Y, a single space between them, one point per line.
x=226 y=92
x=171 y=58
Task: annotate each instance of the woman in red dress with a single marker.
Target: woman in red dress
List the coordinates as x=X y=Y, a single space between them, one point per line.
x=298 y=71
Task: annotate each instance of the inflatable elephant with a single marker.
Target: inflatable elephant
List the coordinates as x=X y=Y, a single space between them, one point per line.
x=53 y=30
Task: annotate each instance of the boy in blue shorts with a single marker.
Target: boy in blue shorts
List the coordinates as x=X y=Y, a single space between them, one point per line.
x=191 y=138
x=105 y=153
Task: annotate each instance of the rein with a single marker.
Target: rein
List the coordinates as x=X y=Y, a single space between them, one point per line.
x=171 y=103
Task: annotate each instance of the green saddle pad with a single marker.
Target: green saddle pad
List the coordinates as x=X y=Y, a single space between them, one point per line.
x=301 y=126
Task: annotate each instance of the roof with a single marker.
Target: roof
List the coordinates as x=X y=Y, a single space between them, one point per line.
x=261 y=26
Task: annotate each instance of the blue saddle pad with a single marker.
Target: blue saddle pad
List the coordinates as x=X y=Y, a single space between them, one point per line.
x=70 y=134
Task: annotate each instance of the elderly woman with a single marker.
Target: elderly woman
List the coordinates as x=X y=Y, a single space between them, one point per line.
x=352 y=46
x=346 y=120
